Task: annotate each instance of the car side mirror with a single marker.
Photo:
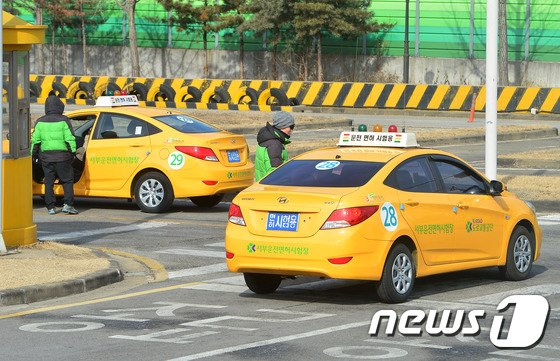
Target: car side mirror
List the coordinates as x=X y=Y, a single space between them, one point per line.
x=496 y=188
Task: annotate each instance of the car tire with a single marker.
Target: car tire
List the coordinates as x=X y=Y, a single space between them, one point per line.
x=399 y=273
x=261 y=283
x=153 y=193
x=520 y=254
x=207 y=201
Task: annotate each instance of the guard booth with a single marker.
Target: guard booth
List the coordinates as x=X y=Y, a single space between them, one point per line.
x=17 y=203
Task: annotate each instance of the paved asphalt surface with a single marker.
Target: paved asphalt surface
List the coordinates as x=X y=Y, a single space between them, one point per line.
x=204 y=312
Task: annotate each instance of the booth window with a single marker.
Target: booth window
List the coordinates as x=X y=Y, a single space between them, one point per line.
x=15 y=104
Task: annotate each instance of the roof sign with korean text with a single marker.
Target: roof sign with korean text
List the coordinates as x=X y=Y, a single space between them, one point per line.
x=117 y=101
x=377 y=139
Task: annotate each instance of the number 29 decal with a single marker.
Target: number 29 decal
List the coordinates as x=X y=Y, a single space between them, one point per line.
x=389 y=216
x=176 y=160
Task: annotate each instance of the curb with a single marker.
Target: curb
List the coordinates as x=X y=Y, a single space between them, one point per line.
x=531 y=134
x=527 y=163
x=157 y=270
x=48 y=291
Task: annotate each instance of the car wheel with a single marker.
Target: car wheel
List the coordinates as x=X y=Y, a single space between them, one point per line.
x=519 y=255
x=207 y=201
x=262 y=283
x=153 y=193
x=397 y=279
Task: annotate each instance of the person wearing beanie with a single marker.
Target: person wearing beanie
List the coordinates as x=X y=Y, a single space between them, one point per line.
x=272 y=140
x=54 y=145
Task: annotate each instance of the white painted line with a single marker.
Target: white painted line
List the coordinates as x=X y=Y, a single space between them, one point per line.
x=218 y=288
x=231 y=280
x=217 y=244
x=225 y=350
x=495 y=298
x=193 y=252
x=109 y=230
x=555 y=217
x=213 y=268
x=548 y=223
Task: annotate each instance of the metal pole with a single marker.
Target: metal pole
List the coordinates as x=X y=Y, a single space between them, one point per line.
x=491 y=88
x=417 y=30
x=527 y=27
x=2 y=244
x=471 y=35
x=406 y=51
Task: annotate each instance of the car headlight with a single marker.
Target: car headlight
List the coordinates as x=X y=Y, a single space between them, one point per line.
x=530 y=205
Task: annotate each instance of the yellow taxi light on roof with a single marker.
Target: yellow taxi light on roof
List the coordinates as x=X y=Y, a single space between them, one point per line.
x=116 y=101
x=377 y=139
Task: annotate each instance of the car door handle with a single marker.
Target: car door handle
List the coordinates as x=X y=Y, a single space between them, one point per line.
x=411 y=203
x=462 y=206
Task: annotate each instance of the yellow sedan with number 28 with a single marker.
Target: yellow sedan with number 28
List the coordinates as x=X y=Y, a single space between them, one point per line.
x=153 y=156
x=378 y=207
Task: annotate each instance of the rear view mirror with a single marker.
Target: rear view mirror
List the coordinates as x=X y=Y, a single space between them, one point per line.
x=496 y=188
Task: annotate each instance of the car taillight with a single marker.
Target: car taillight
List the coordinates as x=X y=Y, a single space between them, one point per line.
x=198 y=152
x=235 y=216
x=347 y=217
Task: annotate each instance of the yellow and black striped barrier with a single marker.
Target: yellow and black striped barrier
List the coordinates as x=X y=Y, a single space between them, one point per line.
x=273 y=95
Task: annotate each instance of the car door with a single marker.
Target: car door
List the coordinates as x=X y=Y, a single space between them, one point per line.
x=425 y=208
x=120 y=143
x=479 y=216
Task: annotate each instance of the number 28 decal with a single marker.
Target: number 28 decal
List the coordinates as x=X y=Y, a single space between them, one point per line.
x=176 y=160
x=389 y=216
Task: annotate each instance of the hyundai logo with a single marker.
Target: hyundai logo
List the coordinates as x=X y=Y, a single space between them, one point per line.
x=282 y=200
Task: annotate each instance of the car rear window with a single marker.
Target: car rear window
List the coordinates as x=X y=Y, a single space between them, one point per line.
x=323 y=173
x=186 y=124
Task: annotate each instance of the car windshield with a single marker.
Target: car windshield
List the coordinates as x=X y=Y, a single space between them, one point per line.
x=323 y=173
x=186 y=124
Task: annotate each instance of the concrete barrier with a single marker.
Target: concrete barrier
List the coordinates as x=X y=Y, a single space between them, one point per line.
x=268 y=93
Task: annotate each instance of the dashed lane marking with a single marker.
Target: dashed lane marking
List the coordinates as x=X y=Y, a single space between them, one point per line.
x=108 y=230
x=196 y=271
x=193 y=252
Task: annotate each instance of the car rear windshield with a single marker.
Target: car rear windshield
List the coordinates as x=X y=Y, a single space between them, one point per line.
x=186 y=124
x=323 y=173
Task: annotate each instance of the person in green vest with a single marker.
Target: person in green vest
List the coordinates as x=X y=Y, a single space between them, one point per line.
x=54 y=144
x=272 y=141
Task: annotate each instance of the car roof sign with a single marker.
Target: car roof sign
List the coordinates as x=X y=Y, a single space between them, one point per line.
x=116 y=101
x=377 y=139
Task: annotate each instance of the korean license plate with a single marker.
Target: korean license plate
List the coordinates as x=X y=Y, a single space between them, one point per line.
x=282 y=221
x=233 y=156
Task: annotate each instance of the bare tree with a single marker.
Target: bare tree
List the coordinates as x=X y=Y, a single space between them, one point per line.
x=129 y=6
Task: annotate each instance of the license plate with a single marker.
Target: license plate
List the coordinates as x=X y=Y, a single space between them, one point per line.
x=233 y=156
x=282 y=221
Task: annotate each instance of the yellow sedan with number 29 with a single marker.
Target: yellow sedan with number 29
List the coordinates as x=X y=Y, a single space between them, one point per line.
x=378 y=207
x=153 y=156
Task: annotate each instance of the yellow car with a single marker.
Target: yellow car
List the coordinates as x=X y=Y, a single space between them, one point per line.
x=153 y=156
x=378 y=207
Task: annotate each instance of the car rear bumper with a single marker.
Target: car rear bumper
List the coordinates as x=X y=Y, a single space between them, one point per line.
x=307 y=256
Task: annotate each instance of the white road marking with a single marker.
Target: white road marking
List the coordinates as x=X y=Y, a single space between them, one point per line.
x=496 y=298
x=108 y=230
x=272 y=341
x=520 y=354
x=218 y=288
x=217 y=244
x=193 y=252
x=213 y=268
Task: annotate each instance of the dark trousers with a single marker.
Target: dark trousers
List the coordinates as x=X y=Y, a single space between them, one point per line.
x=65 y=174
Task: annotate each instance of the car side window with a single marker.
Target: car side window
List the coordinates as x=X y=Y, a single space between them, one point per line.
x=413 y=176
x=112 y=126
x=459 y=179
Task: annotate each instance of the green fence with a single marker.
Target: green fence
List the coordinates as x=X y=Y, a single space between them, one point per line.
x=446 y=28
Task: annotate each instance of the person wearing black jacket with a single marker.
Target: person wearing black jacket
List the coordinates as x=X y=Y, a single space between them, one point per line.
x=272 y=139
